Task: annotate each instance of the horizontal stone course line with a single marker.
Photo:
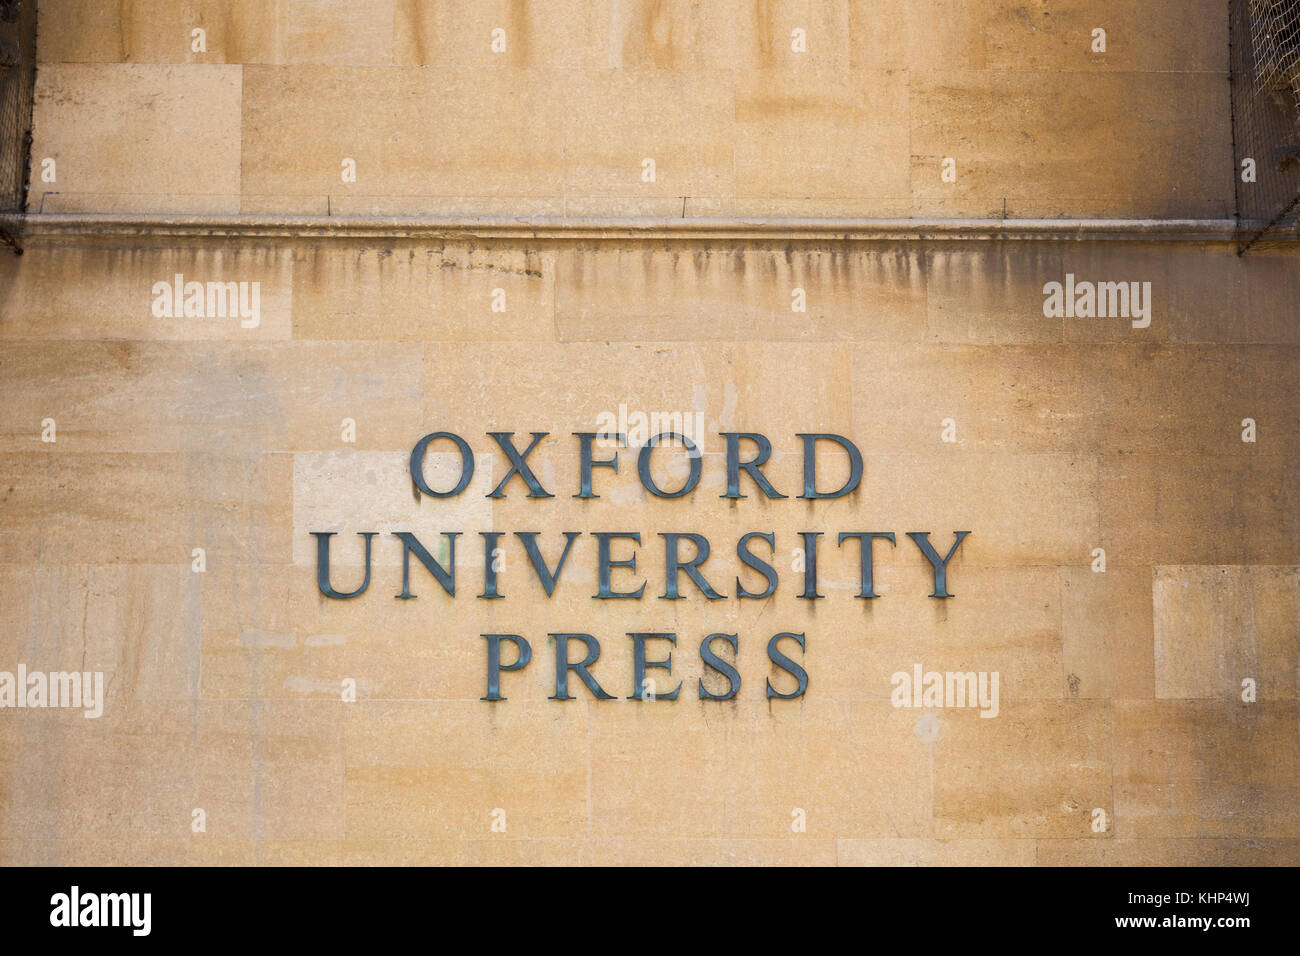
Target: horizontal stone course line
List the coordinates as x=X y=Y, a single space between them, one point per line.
x=401 y=227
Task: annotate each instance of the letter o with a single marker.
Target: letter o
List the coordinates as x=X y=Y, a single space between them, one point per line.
x=417 y=465
x=643 y=466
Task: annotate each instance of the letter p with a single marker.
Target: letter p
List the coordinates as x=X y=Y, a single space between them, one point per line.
x=495 y=667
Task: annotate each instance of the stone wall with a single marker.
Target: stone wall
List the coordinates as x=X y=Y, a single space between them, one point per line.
x=737 y=123
x=1119 y=690
x=130 y=436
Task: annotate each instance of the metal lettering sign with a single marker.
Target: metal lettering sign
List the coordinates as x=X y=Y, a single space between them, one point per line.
x=675 y=562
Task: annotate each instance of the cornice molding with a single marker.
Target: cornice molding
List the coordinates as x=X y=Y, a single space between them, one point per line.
x=125 y=226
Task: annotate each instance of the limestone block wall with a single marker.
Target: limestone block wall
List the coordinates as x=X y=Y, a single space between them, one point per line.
x=1127 y=477
x=1121 y=691
x=832 y=108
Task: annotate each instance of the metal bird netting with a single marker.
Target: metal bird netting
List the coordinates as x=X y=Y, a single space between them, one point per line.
x=17 y=76
x=1265 y=55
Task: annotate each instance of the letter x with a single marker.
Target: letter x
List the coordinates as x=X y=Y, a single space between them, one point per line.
x=517 y=466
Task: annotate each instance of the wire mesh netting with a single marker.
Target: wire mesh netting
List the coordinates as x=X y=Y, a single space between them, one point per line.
x=1265 y=42
x=17 y=76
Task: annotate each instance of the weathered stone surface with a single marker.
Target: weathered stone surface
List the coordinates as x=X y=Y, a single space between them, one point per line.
x=794 y=108
x=1131 y=573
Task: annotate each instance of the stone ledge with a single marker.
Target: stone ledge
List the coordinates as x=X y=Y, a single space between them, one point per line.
x=423 y=227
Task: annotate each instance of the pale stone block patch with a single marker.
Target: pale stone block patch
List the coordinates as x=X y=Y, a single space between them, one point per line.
x=1216 y=626
x=351 y=492
x=149 y=130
